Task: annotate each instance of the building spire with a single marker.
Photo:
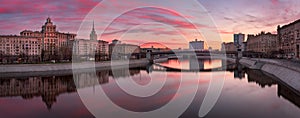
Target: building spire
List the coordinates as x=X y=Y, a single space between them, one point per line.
x=93 y=35
x=93 y=26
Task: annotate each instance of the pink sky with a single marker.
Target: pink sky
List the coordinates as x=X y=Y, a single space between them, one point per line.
x=230 y=16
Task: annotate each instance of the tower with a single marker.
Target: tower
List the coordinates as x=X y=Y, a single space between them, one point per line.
x=93 y=35
x=50 y=40
x=48 y=27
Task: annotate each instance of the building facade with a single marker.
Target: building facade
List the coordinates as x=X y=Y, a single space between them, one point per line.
x=90 y=49
x=102 y=50
x=239 y=40
x=262 y=42
x=54 y=42
x=18 y=48
x=119 y=50
x=289 y=39
x=196 y=45
x=32 y=46
x=228 y=47
x=84 y=48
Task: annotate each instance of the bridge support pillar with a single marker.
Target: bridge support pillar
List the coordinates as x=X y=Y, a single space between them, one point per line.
x=150 y=57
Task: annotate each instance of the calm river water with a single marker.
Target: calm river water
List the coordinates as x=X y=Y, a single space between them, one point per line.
x=246 y=93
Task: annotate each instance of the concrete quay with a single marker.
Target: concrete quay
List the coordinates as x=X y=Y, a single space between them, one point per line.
x=286 y=71
x=69 y=67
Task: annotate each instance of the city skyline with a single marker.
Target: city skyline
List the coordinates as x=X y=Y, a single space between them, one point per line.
x=234 y=16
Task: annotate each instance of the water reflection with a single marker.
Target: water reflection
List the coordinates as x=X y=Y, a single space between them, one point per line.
x=289 y=94
x=264 y=80
x=239 y=72
x=260 y=78
x=194 y=64
x=48 y=88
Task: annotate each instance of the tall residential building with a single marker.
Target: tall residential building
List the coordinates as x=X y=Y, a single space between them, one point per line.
x=196 y=45
x=91 y=48
x=262 y=42
x=289 y=39
x=239 y=40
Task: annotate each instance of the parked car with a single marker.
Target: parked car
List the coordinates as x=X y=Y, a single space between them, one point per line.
x=52 y=61
x=289 y=56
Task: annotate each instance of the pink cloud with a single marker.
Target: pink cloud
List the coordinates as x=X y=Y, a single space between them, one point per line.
x=31 y=14
x=225 y=32
x=275 y=2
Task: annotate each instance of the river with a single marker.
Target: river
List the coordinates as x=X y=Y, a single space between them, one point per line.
x=245 y=93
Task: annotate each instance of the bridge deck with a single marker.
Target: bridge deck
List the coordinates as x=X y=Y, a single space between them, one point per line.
x=229 y=67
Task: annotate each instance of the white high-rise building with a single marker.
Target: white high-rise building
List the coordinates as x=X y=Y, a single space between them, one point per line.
x=196 y=45
x=91 y=48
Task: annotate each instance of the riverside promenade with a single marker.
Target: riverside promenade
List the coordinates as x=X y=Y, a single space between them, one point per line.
x=16 y=70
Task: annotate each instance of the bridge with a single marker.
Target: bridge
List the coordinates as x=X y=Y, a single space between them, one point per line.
x=190 y=53
x=151 y=56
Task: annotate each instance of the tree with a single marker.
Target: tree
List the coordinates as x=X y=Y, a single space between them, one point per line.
x=1 y=56
x=42 y=55
x=65 y=53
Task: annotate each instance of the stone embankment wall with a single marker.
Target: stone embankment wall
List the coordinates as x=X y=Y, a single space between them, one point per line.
x=287 y=72
x=23 y=68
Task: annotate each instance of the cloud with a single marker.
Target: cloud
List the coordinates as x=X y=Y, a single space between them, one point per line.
x=152 y=21
x=31 y=14
x=274 y=2
x=114 y=32
x=163 y=16
x=225 y=32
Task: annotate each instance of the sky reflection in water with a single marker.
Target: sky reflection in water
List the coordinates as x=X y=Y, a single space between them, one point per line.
x=253 y=95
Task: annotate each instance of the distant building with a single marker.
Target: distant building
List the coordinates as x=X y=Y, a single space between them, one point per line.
x=91 y=49
x=210 y=49
x=289 y=39
x=262 y=42
x=152 y=49
x=84 y=48
x=239 y=40
x=118 y=50
x=228 y=47
x=196 y=45
x=102 y=50
x=115 y=42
